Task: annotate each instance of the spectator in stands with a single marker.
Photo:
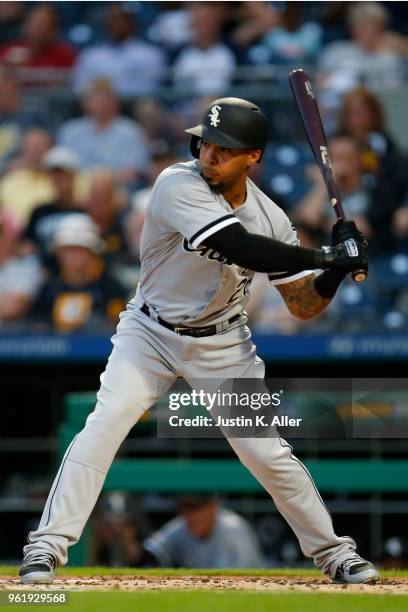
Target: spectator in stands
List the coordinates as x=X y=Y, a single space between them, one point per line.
x=373 y=217
x=332 y=18
x=155 y=120
x=289 y=41
x=314 y=209
x=63 y=166
x=254 y=21
x=82 y=293
x=41 y=56
x=384 y=166
x=204 y=535
x=14 y=118
x=134 y=67
x=27 y=184
x=11 y=14
x=20 y=276
x=362 y=116
x=171 y=27
x=104 y=138
x=106 y=205
x=206 y=66
x=372 y=56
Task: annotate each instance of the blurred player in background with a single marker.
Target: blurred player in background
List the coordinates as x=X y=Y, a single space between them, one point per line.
x=205 y=535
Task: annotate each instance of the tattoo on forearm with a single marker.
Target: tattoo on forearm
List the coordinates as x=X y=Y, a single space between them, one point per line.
x=302 y=299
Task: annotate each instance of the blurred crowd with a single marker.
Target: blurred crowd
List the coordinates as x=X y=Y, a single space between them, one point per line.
x=125 y=81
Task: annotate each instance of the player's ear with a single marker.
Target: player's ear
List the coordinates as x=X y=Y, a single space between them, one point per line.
x=254 y=156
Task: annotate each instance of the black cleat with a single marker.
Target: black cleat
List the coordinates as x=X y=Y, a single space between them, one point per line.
x=38 y=569
x=355 y=570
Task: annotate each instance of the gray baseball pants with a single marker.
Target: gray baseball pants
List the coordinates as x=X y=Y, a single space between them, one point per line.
x=145 y=360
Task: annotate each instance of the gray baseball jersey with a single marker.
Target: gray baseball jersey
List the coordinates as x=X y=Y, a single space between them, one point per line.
x=183 y=281
x=232 y=543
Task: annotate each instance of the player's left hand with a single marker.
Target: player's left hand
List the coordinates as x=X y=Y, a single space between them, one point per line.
x=346 y=230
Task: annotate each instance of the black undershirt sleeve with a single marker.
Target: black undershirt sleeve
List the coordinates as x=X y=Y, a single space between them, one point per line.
x=327 y=283
x=261 y=254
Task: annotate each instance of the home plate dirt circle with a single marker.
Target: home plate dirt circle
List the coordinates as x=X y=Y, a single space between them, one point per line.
x=224 y=583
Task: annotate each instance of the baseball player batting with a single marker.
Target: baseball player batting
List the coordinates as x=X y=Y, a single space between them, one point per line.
x=208 y=228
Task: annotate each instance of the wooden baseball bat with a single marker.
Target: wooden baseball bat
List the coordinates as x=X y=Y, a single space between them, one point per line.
x=312 y=122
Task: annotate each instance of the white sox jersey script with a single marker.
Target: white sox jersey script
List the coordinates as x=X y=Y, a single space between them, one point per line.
x=184 y=282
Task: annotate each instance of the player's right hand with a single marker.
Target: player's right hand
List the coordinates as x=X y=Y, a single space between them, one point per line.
x=344 y=230
x=347 y=256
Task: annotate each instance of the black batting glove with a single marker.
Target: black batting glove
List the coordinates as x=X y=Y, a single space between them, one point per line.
x=346 y=230
x=346 y=256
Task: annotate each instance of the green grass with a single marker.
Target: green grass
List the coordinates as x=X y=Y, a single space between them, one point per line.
x=12 y=570
x=201 y=601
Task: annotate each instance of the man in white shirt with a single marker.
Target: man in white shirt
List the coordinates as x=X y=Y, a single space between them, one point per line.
x=134 y=66
x=207 y=65
x=104 y=138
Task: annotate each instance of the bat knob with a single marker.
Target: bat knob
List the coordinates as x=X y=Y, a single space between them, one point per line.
x=359 y=276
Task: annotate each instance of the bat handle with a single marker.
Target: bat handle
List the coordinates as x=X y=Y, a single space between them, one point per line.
x=359 y=276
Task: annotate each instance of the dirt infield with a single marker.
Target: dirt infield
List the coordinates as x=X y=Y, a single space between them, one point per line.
x=224 y=583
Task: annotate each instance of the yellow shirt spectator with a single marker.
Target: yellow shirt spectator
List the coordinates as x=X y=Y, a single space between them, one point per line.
x=22 y=190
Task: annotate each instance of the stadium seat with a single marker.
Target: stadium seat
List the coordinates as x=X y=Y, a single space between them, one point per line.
x=284 y=171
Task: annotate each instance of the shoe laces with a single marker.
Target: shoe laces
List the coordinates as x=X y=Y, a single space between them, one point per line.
x=350 y=561
x=41 y=558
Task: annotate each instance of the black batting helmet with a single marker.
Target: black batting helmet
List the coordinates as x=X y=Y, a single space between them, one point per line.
x=232 y=123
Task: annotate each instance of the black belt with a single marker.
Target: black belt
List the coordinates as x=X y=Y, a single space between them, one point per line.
x=196 y=332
